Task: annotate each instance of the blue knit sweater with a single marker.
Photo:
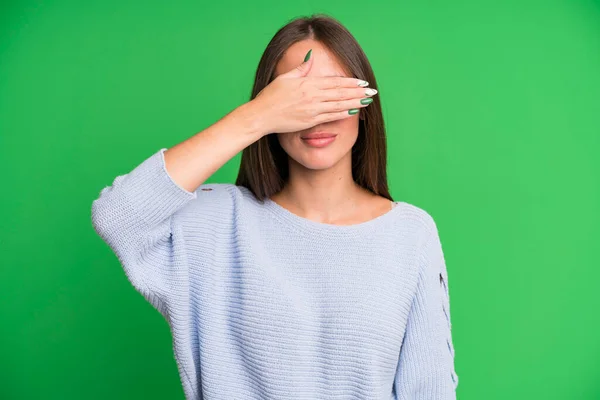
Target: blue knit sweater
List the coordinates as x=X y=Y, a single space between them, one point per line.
x=265 y=304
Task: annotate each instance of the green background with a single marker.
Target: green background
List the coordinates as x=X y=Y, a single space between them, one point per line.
x=493 y=120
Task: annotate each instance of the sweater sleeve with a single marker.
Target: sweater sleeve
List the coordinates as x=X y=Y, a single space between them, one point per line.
x=426 y=363
x=134 y=217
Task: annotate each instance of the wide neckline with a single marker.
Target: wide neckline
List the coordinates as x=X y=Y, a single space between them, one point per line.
x=308 y=225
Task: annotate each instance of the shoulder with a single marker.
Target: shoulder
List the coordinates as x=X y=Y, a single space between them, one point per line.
x=219 y=206
x=420 y=219
x=431 y=255
x=225 y=198
x=217 y=190
x=224 y=193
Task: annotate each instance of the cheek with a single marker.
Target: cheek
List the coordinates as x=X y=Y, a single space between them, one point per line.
x=287 y=141
x=349 y=127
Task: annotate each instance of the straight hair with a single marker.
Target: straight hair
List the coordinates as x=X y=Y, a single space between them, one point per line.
x=264 y=167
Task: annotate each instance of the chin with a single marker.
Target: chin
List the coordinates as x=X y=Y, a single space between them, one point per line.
x=316 y=165
x=317 y=160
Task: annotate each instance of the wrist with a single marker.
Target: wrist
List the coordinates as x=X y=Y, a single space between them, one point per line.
x=250 y=120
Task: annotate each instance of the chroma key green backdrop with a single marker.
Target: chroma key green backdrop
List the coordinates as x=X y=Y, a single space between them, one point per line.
x=492 y=111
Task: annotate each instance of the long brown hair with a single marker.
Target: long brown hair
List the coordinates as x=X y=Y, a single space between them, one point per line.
x=264 y=166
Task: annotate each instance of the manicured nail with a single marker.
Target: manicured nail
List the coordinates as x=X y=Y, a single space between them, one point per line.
x=307 y=55
x=366 y=101
x=371 y=92
x=353 y=111
x=363 y=83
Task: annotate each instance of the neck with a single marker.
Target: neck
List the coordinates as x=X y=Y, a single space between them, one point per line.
x=322 y=195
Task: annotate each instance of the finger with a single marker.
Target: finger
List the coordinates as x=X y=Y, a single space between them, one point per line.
x=328 y=82
x=302 y=69
x=333 y=116
x=345 y=93
x=343 y=105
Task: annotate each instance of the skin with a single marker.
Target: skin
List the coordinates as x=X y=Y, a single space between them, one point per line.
x=320 y=186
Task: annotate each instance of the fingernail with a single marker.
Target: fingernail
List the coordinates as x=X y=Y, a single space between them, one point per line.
x=353 y=111
x=363 y=83
x=307 y=55
x=371 y=92
x=366 y=101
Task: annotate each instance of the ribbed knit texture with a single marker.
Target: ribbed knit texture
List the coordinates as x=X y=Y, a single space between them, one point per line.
x=265 y=304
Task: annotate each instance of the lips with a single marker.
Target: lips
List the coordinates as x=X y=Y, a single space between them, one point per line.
x=319 y=135
x=318 y=139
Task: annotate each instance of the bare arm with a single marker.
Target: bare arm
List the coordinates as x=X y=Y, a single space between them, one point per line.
x=191 y=162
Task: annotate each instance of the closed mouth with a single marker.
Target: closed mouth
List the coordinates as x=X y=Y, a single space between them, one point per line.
x=319 y=135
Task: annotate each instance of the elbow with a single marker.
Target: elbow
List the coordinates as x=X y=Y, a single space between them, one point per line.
x=100 y=219
x=104 y=213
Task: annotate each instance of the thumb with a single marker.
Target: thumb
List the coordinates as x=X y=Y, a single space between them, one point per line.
x=302 y=69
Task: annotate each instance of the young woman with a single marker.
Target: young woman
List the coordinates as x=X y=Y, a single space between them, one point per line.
x=304 y=280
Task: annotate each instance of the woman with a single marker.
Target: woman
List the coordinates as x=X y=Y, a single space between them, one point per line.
x=304 y=280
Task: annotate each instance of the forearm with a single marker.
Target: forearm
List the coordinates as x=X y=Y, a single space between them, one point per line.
x=191 y=162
